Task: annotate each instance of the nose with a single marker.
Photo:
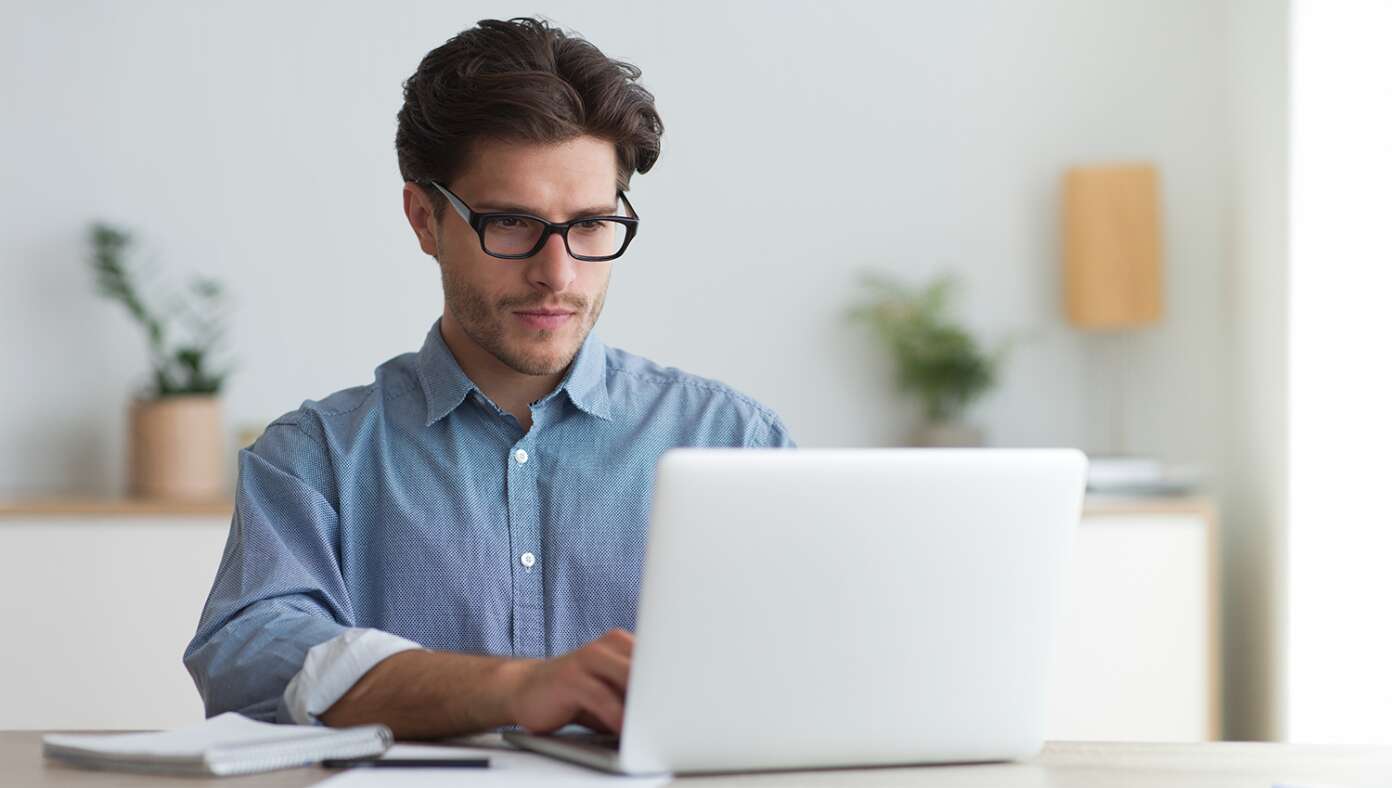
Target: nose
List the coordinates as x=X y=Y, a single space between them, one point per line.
x=552 y=268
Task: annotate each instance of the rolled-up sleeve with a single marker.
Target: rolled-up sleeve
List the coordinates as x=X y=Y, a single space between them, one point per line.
x=279 y=589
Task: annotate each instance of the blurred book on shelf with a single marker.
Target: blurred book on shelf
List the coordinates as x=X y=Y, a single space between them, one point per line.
x=1132 y=475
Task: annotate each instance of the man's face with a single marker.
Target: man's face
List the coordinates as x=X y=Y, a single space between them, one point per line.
x=533 y=314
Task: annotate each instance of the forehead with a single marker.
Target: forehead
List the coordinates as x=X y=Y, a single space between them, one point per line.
x=555 y=176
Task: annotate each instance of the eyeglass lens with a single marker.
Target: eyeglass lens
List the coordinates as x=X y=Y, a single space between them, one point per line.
x=519 y=235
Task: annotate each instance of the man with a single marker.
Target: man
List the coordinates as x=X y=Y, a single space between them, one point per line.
x=457 y=545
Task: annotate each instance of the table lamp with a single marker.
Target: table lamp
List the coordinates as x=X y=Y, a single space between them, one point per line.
x=1113 y=276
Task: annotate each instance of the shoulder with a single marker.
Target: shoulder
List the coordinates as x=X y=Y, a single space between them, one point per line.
x=643 y=387
x=337 y=420
x=313 y=443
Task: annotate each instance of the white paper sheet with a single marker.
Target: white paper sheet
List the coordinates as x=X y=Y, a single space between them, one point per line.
x=509 y=767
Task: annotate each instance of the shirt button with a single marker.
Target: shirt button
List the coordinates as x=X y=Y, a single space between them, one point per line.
x=521 y=456
x=528 y=560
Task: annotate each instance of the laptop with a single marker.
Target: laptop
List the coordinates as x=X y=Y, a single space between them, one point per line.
x=816 y=608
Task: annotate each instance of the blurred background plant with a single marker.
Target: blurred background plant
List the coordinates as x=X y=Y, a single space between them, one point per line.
x=184 y=328
x=936 y=360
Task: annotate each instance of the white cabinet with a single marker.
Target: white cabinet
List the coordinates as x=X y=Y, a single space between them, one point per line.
x=95 y=613
x=96 y=608
x=1138 y=647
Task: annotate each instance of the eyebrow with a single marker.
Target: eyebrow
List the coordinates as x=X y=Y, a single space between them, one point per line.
x=493 y=207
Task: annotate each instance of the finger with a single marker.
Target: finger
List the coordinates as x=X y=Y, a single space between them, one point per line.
x=607 y=664
x=600 y=699
x=621 y=639
x=590 y=721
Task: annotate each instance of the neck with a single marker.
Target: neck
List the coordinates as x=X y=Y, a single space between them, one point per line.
x=509 y=389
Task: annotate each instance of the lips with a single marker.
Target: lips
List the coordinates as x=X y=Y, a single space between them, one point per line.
x=544 y=318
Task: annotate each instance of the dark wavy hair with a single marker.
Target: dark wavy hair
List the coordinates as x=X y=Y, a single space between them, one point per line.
x=520 y=80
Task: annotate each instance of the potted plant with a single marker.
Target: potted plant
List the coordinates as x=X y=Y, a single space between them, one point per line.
x=176 y=441
x=936 y=360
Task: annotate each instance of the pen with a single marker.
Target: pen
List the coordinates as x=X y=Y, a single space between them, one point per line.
x=405 y=763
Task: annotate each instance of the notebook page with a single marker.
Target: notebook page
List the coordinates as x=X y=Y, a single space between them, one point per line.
x=227 y=730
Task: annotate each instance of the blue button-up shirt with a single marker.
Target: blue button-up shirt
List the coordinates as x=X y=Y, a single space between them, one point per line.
x=417 y=506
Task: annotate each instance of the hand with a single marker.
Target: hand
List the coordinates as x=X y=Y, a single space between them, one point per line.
x=586 y=686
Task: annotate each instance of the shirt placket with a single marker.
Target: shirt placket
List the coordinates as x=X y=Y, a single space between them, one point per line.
x=524 y=534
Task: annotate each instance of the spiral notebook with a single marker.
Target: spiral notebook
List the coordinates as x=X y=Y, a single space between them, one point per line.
x=226 y=744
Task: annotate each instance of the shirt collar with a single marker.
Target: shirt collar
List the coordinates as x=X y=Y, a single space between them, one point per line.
x=585 y=383
x=446 y=385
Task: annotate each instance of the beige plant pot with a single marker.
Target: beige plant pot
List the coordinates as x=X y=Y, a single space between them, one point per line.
x=177 y=448
x=950 y=435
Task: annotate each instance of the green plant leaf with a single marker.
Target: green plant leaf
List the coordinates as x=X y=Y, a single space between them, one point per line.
x=936 y=360
x=196 y=327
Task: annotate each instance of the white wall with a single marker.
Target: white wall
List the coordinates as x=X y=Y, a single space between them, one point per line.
x=1339 y=686
x=253 y=141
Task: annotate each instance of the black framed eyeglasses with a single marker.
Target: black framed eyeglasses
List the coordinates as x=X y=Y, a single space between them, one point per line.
x=516 y=236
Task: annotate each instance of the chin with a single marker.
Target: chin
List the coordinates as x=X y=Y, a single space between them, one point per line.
x=542 y=358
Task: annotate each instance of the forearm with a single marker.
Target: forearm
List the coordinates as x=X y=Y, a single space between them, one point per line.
x=431 y=694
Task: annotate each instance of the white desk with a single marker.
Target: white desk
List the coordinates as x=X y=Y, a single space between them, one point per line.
x=1062 y=765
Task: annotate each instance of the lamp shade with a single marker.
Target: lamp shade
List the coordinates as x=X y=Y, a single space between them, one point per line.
x=1112 y=261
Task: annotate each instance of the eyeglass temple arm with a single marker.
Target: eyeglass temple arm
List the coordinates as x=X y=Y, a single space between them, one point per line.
x=464 y=212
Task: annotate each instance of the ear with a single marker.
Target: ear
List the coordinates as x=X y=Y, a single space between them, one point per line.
x=421 y=214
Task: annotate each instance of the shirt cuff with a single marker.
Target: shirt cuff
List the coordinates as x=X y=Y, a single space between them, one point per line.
x=332 y=668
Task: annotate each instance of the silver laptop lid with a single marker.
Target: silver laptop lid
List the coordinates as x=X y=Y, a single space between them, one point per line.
x=806 y=608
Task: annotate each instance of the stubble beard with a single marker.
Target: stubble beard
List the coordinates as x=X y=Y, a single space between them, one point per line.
x=484 y=323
